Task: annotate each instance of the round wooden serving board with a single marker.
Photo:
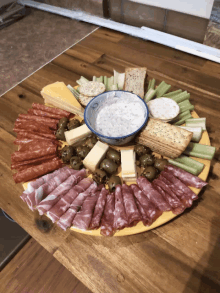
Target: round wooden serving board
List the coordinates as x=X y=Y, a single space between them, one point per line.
x=166 y=216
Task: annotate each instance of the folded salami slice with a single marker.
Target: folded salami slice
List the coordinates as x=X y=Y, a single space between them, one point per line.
x=144 y=218
x=28 y=155
x=40 y=181
x=51 y=110
x=107 y=220
x=175 y=203
x=64 y=203
x=26 y=164
x=99 y=209
x=120 y=217
x=66 y=220
x=152 y=194
x=32 y=126
x=47 y=203
x=21 y=133
x=84 y=216
x=44 y=114
x=52 y=123
x=37 y=171
x=185 y=177
x=150 y=209
x=34 y=198
x=131 y=209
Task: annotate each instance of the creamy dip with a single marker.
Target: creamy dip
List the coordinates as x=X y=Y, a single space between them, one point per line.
x=120 y=116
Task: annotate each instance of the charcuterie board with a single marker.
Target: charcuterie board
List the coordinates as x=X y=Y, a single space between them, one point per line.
x=166 y=216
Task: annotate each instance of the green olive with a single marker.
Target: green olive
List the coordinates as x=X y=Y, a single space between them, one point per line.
x=100 y=176
x=76 y=163
x=82 y=151
x=109 y=166
x=114 y=155
x=66 y=153
x=147 y=160
x=60 y=134
x=113 y=182
x=141 y=150
x=160 y=164
x=150 y=173
x=91 y=141
x=74 y=123
x=63 y=123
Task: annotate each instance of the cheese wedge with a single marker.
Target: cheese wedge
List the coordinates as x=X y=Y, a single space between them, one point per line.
x=58 y=94
x=76 y=134
x=128 y=166
x=95 y=156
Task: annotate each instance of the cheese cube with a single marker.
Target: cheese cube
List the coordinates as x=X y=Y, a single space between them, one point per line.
x=94 y=157
x=128 y=166
x=76 y=134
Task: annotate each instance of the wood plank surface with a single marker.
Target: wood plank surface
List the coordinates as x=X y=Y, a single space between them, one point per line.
x=180 y=256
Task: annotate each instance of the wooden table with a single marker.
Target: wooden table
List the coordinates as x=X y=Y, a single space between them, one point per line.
x=182 y=255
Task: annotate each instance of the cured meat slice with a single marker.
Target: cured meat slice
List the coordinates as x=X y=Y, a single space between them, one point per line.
x=131 y=209
x=144 y=218
x=28 y=134
x=34 y=198
x=152 y=194
x=38 y=153
x=47 y=203
x=185 y=177
x=32 y=126
x=52 y=123
x=35 y=146
x=84 y=216
x=64 y=203
x=26 y=164
x=107 y=220
x=99 y=209
x=44 y=114
x=51 y=110
x=22 y=137
x=120 y=217
x=175 y=203
x=151 y=211
x=37 y=171
x=66 y=220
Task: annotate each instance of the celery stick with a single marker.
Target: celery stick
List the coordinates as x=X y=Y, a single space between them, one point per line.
x=182 y=115
x=82 y=80
x=153 y=84
x=196 y=122
x=110 y=82
x=149 y=84
x=189 y=108
x=94 y=78
x=73 y=91
x=149 y=95
x=181 y=97
x=185 y=105
x=119 y=79
x=197 y=132
x=105 y=81
x=114 y=87
x=182 y=120
x=101 y=79
x=163 y=90
x=200 y=151
x=160 y=86
x=188 y=164
x=172 y=94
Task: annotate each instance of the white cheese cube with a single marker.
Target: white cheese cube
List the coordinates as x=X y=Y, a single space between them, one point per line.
x=128 y=166
x=76 y=134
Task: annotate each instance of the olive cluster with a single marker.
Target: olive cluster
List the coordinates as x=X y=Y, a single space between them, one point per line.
x=65 y=124
x=152 y=166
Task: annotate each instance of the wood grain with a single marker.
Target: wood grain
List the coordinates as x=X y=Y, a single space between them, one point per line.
x=181 y=256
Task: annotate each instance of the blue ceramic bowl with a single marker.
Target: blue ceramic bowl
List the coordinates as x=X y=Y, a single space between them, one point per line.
x=90 y=115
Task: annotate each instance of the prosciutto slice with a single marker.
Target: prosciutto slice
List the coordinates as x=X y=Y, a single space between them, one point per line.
x=185 y=177
x=34 y=198
x=99 y=209
x=151 y=212
x=131 y=209
x=46 y=204
x=120 y=217
x=84 y=216
x=67 y=218
x=152 y=194
x=174 y=202
x=64 y=203
x=107 y=220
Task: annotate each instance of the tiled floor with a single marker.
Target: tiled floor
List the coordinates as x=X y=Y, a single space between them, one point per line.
x=28 y=44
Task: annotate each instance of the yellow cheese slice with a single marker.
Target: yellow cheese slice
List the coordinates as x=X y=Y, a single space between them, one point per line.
x=128 y=166
x=94 y=157
x=76 y=134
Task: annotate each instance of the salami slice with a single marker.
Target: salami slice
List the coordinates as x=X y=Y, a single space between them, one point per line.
x=24 y=167
x=37 y=161
x=66 y=220
x=50 y=110
x=185 y=177
x=38 y=153
x=21 y=136
x=131 y=209
x=120 y=217
x=107 y=220
x=84 y=216
x=151 y=211
x=34 y=198
x=32 y=146
x=47 y=203
x=64 y=203
x=29 y=134
x=152 y=194
x=36 y=171
x=144 y=218
x=99 y=209
x=32 y=126
x=44 y=114
x=52 y=123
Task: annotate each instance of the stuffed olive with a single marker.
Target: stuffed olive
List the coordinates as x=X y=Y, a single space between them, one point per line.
x=150 y=173
x=60 y=134
x=66 y=153
x=76 y=163
x=74 y=123
x=141 y=150
x=160 y=164
x=114 y=155
x=82 y=151
x=100 y=176
x=108 y=166
x=147 y=160
x=63 y=123
x=113 y=181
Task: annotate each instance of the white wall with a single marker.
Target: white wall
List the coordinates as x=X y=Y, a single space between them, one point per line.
x=201 y=8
